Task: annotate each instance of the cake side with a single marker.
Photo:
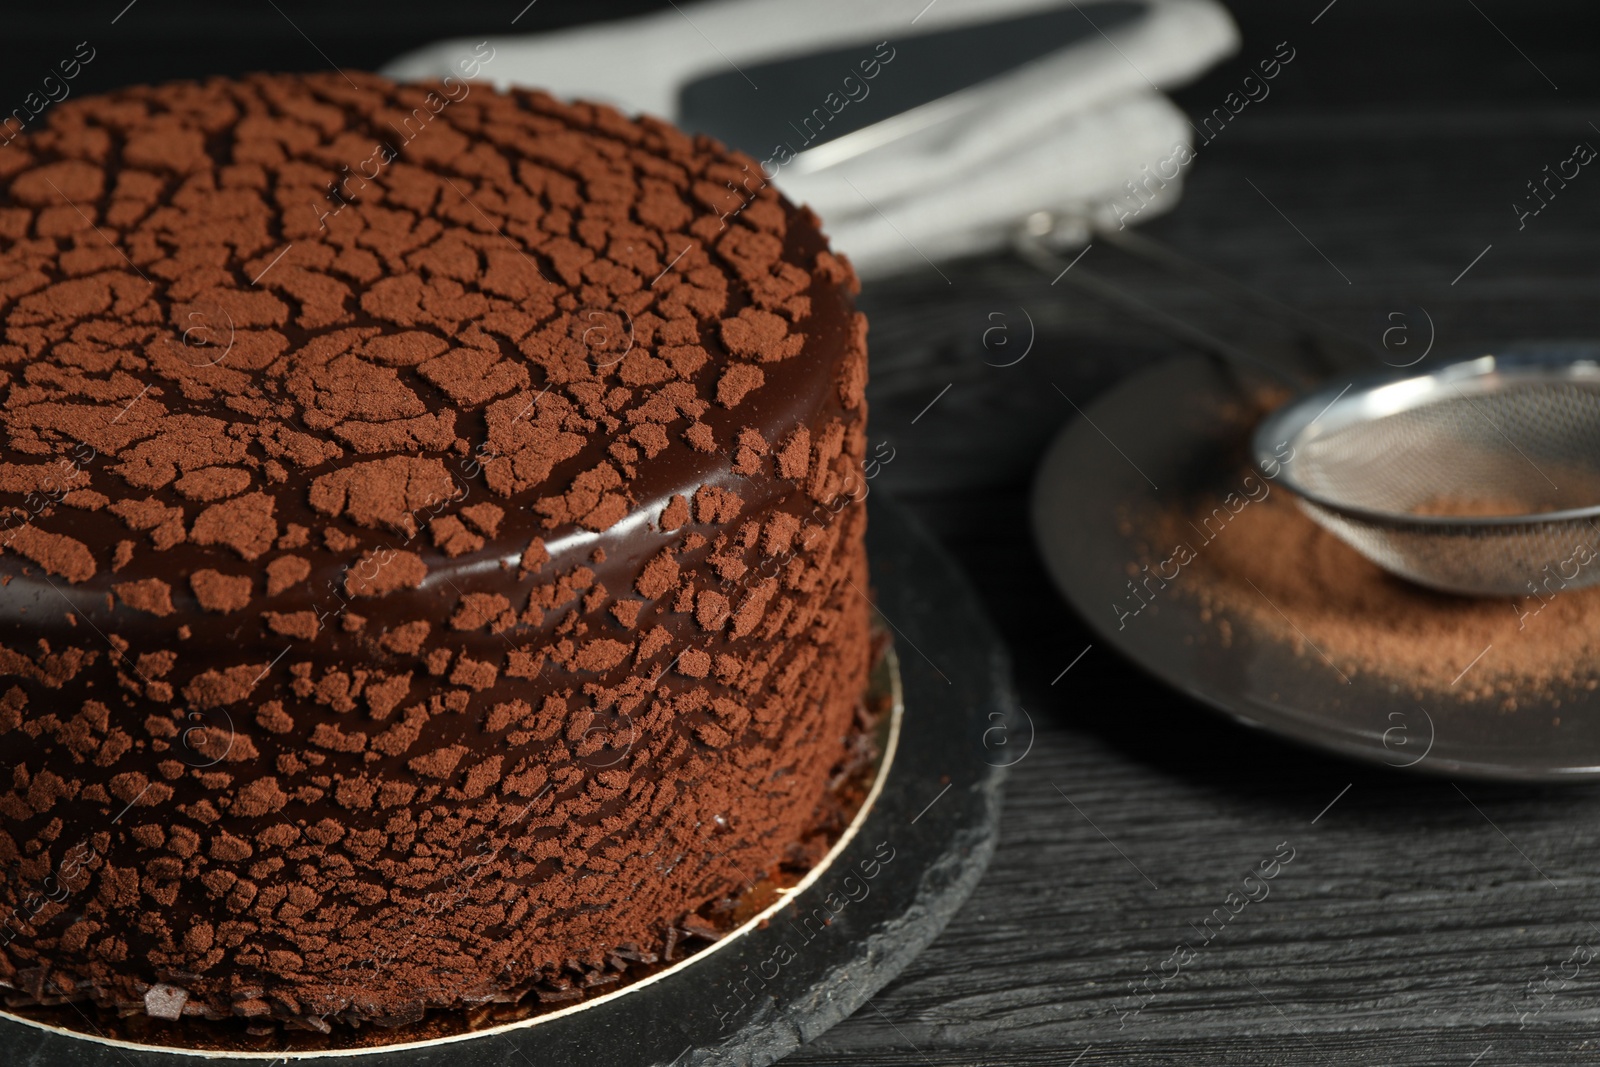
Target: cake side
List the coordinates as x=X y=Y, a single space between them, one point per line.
x=432 y=544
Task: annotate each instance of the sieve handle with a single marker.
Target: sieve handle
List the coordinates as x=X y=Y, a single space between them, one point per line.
x=1320 y=351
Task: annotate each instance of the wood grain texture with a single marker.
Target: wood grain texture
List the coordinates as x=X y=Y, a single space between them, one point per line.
x=1419 y=922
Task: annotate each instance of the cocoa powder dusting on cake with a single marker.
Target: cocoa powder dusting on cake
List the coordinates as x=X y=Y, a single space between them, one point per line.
x=401 y=708
x=216 y=591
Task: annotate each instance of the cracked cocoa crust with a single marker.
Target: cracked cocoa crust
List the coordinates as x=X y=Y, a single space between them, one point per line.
x=414 y=594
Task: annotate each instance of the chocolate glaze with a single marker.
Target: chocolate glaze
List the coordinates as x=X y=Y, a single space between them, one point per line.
x=243 y=812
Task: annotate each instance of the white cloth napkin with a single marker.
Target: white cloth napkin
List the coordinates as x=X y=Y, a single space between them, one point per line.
x=1084 y=129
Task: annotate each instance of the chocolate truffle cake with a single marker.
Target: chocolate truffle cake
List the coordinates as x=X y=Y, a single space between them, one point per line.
x=430 y=545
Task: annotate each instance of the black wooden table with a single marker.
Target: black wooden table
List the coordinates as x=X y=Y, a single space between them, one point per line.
x=1418 y=922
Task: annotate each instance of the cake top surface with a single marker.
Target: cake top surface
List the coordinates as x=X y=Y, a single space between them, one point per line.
x=242 y=316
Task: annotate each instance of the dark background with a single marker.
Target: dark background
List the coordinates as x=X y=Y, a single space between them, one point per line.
x=1412 y=921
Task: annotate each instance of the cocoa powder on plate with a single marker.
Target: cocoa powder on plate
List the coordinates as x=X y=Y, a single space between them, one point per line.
x=1270 y=568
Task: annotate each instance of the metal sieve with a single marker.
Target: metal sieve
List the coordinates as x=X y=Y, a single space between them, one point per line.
x=1481 y=478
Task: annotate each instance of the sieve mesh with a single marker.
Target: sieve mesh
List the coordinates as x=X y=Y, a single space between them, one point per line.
x=1488 y=456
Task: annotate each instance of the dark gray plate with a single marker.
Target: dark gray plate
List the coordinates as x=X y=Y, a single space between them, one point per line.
x=925 y=841
x=1181 y=427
